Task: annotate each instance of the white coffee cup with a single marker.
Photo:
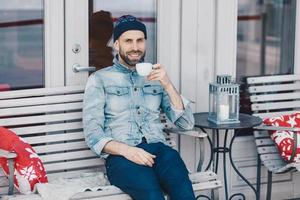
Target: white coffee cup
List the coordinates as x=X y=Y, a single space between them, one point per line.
x=144 y=69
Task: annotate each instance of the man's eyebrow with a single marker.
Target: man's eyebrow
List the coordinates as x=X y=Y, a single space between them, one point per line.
x=128 y=39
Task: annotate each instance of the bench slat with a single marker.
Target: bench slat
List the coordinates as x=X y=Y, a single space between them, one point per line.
x=275 y=97
x=264 y=142
x=50 y=148
x=261 y=134
x=274 y=88
x=40 y=109
x=94 y=162
x=39 y=119
x=267 y=149
x=61 y=137
x=68 y=156
x=275 y=105
x=271 y=79
x=41 y=100
x=66 y=126
x=274 y=156
x=274 y=114
x=41 y=91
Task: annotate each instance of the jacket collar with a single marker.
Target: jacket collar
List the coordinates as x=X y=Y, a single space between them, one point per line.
x=120 y=66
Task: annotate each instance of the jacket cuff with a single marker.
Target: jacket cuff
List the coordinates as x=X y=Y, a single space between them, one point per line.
x=98 y=147
x=177 y=113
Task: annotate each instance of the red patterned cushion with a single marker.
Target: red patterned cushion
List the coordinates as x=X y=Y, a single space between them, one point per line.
x=284 y=140
x=29 y=168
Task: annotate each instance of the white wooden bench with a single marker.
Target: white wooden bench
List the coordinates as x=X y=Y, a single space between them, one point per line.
x=50 y=119
x=272 y=96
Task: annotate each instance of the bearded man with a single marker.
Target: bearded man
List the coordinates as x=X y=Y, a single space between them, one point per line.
x=122 y=124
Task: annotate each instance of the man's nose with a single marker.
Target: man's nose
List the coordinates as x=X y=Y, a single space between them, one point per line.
x=135 y=46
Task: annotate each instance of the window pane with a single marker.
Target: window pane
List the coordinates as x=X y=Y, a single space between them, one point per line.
x=103 y=13
x=265 y=41
x=22 y=44
x=266 y=37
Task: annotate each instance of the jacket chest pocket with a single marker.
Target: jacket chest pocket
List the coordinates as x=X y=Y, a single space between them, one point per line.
x=117 y=98
x=152 y=96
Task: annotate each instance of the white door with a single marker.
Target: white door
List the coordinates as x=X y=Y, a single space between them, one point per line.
x=89 y=26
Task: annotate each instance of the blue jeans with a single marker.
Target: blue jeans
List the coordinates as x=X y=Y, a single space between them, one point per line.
x=169 y=174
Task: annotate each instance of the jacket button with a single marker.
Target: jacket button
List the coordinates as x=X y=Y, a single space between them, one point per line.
x=137 y=107
x=138 y=112
x=154 y=91
x=118 y=92
x=135 y=89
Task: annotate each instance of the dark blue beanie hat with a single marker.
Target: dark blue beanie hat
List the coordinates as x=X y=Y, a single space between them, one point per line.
x=126 y=23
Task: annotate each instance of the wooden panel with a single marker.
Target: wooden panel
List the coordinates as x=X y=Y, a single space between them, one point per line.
x=276 y=128
x=40 y=119
x=41 y=100
x=267 y=150
x=60 y=147
x=68 y=156
x=270 y=79
x=275 y=97
x=40 y=109
x=48 y=128
x=275 y=105
x=274 y=114
x=270 y=156
x=61 y=137
x=264 y=141
x=39 y=92
x=74 y=164
x=274 y=88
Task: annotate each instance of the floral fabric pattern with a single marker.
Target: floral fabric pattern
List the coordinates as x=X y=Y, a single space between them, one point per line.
x=29 y=169
x=284 y=140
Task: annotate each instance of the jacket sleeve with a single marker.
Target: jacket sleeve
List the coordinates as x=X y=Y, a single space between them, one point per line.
x=183 y=119
x=93 y=116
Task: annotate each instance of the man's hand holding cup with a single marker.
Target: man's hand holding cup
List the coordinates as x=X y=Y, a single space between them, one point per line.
x=154 y=72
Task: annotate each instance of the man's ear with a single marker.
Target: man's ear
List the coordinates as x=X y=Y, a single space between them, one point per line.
x=116 y=45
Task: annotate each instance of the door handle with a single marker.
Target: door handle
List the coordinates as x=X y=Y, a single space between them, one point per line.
x=77 y=68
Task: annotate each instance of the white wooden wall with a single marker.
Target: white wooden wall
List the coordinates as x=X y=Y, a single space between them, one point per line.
x=196 y=41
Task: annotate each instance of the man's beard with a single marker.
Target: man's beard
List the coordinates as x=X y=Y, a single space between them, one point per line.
x=132 y=62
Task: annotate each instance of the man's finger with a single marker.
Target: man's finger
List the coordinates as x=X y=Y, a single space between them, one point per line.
x=153 y=156
x=145 y=161
x=156 y=66
x=149 y=159
x=158 y=77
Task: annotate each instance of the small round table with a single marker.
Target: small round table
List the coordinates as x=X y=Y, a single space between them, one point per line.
x=246 y=121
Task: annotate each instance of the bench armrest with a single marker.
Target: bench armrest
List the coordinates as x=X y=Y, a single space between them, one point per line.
x=275 y=128
x=11 y=157
x=7 y=154
x=192 y=133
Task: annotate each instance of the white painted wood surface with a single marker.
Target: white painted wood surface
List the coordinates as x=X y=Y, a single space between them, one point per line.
x=76 y=32
x=54 y=129
x=54 y=37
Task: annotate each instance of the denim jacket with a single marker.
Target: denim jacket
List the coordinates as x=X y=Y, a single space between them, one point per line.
x=122 y=106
